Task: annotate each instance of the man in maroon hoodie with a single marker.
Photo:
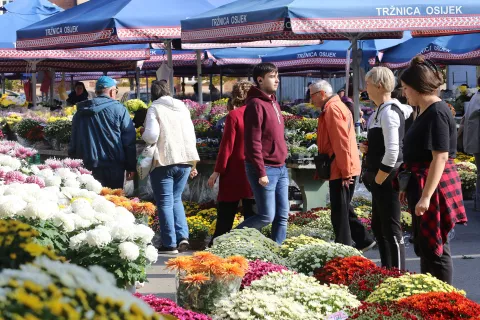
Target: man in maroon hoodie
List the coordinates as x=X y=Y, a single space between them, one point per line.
x=265 y=153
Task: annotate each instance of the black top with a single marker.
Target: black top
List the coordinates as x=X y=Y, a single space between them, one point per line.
x=433 y=130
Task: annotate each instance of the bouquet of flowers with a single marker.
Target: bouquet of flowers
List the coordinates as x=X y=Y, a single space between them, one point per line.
x=17 y=245
x=257 y=269
x=168 y=307
x=389 y=311
x=253 y=305
x=133 y=105
x=196 y=109
x=204 y=278
x=201 y=126
x=343 y=270
x=292 y=244
x=407 y=285
x=442 y=305
x=365 y=281
x=310 y=257
x=50 y=289
x=319 y=300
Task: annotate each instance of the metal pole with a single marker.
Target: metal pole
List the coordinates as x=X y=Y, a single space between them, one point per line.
x=137 y=79
x=210 y=86
x=52 y=86
x=199 y=76
x=72 y=85
x=221 y=83
x=146 y=80
x=356 y=95
x=34 y=86
x=3 y=83
x=170 y=65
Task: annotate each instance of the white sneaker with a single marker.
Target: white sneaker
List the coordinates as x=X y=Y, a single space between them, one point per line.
x=373 y=244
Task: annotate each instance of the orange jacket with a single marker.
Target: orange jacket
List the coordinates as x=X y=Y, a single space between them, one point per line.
x=336 y=134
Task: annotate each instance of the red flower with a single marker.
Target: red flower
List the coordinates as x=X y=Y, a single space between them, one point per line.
x=378 y=311
x=343 y=270
x=365 y=281
x=442 y=306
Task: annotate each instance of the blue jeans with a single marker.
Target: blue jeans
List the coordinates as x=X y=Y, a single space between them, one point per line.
x=272 y=201
x=168 y=184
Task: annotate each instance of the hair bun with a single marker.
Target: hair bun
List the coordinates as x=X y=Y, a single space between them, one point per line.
x=417 y=60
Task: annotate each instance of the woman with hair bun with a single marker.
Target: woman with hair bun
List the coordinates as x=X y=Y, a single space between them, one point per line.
x=230 y=165
x=430 y=183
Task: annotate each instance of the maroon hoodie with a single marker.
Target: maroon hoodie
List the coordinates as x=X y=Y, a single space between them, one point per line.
x=264 y=131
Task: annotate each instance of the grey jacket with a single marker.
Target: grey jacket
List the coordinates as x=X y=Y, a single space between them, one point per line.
x=471 y=127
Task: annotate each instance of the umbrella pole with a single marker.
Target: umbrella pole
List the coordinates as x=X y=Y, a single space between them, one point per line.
x=146 y=81
x=355 y=82
x=170 y=65
x=199 y=76
x=72 y=85
x=3 y=83
x=52 y=86
x=221 y=83
x=137 y=79
x=280 y=89
x=34 y=85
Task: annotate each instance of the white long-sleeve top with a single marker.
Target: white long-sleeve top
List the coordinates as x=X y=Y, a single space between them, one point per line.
x=172 y=131
x=389 y=121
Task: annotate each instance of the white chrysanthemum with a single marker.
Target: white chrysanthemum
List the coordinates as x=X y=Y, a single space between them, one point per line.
x=81 y=223
x=143 y=233
x=103 y=276
x=54 y=181
x=41 y=210
x=45 y=173
x=11 y=205
x=71 y=183
x=121 y=231
x=10 y=162
x=65 y=221
x=100 y=204
x=76 y=242
x=84 y=178
x=81 y=204
x=35 y=169
x=65 y=174
x=5 y=169
x=86 y=213
x=94 y=186
x=129 y=251
x=49 y=194
x=151 y=253
x=104 y=217
x=87 y=194
x=99 y=237
x=124 y=215
x=3 y=189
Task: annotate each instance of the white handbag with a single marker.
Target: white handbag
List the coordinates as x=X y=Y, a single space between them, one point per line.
x=147 y=158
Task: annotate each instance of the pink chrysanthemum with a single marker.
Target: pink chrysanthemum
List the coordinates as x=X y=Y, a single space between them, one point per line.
x=5 y=149
x=14 y=177
x=168 y=307
x=54 y=163
x=72 y=163
x=23 y=153
x=84 y=171
x=42 y=167
x=2 y=174
x=35 y=180
x=257 y=269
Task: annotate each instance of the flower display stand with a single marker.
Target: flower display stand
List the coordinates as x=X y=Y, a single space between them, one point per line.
x=314 y=192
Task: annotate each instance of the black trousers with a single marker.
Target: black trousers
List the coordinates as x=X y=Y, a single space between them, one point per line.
x=226 y=212
x=439 y=267
x=347 y=227
x=386 y=225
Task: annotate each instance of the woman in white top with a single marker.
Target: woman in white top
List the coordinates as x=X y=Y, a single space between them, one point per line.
x=168 y=124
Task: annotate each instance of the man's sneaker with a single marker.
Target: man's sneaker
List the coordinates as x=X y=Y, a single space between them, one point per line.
x=167 y=250
x=183 y=245
x=370 y=246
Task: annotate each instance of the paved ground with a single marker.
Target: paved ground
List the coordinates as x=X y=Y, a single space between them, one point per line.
x=466 y=274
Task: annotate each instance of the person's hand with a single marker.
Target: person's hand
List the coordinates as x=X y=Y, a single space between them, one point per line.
x=422 y=206
x=263 y=181
x=213 y=178
x=347 y=182
x=130 y=175
x=142 y=130
x=193 y=173
x=403 y=198
x=363 y=148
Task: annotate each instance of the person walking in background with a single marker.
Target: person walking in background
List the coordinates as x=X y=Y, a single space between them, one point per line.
x=434 y=192
x=471 y=137
x=266 y=153
x=230 y=166
x=336 y=137
x=103 y=136
x=78 y=95
x=384 y=157
x=169 y=126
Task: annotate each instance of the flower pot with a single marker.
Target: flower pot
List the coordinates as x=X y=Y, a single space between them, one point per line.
x=131 y=288
x=201 y=297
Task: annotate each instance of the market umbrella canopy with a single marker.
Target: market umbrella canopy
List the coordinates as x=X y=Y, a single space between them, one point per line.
x=455 y=49
x=240 y=56
x=100 y=22
x=249 y=20
x=331 y=54
x=20 y=14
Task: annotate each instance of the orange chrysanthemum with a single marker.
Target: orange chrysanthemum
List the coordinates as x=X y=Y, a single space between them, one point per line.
x=106 y=191
x=147 y=208
x=228 y=270
x=195 y=279
x=180 y=263
x=239 y=260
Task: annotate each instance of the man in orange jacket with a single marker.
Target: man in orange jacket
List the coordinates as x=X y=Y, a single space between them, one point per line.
x=336 y=136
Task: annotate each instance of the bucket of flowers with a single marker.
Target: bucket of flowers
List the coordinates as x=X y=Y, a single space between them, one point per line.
x=204 y=278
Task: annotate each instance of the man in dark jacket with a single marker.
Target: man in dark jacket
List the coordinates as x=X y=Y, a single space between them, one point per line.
x=103 y=135
x=265 y=153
